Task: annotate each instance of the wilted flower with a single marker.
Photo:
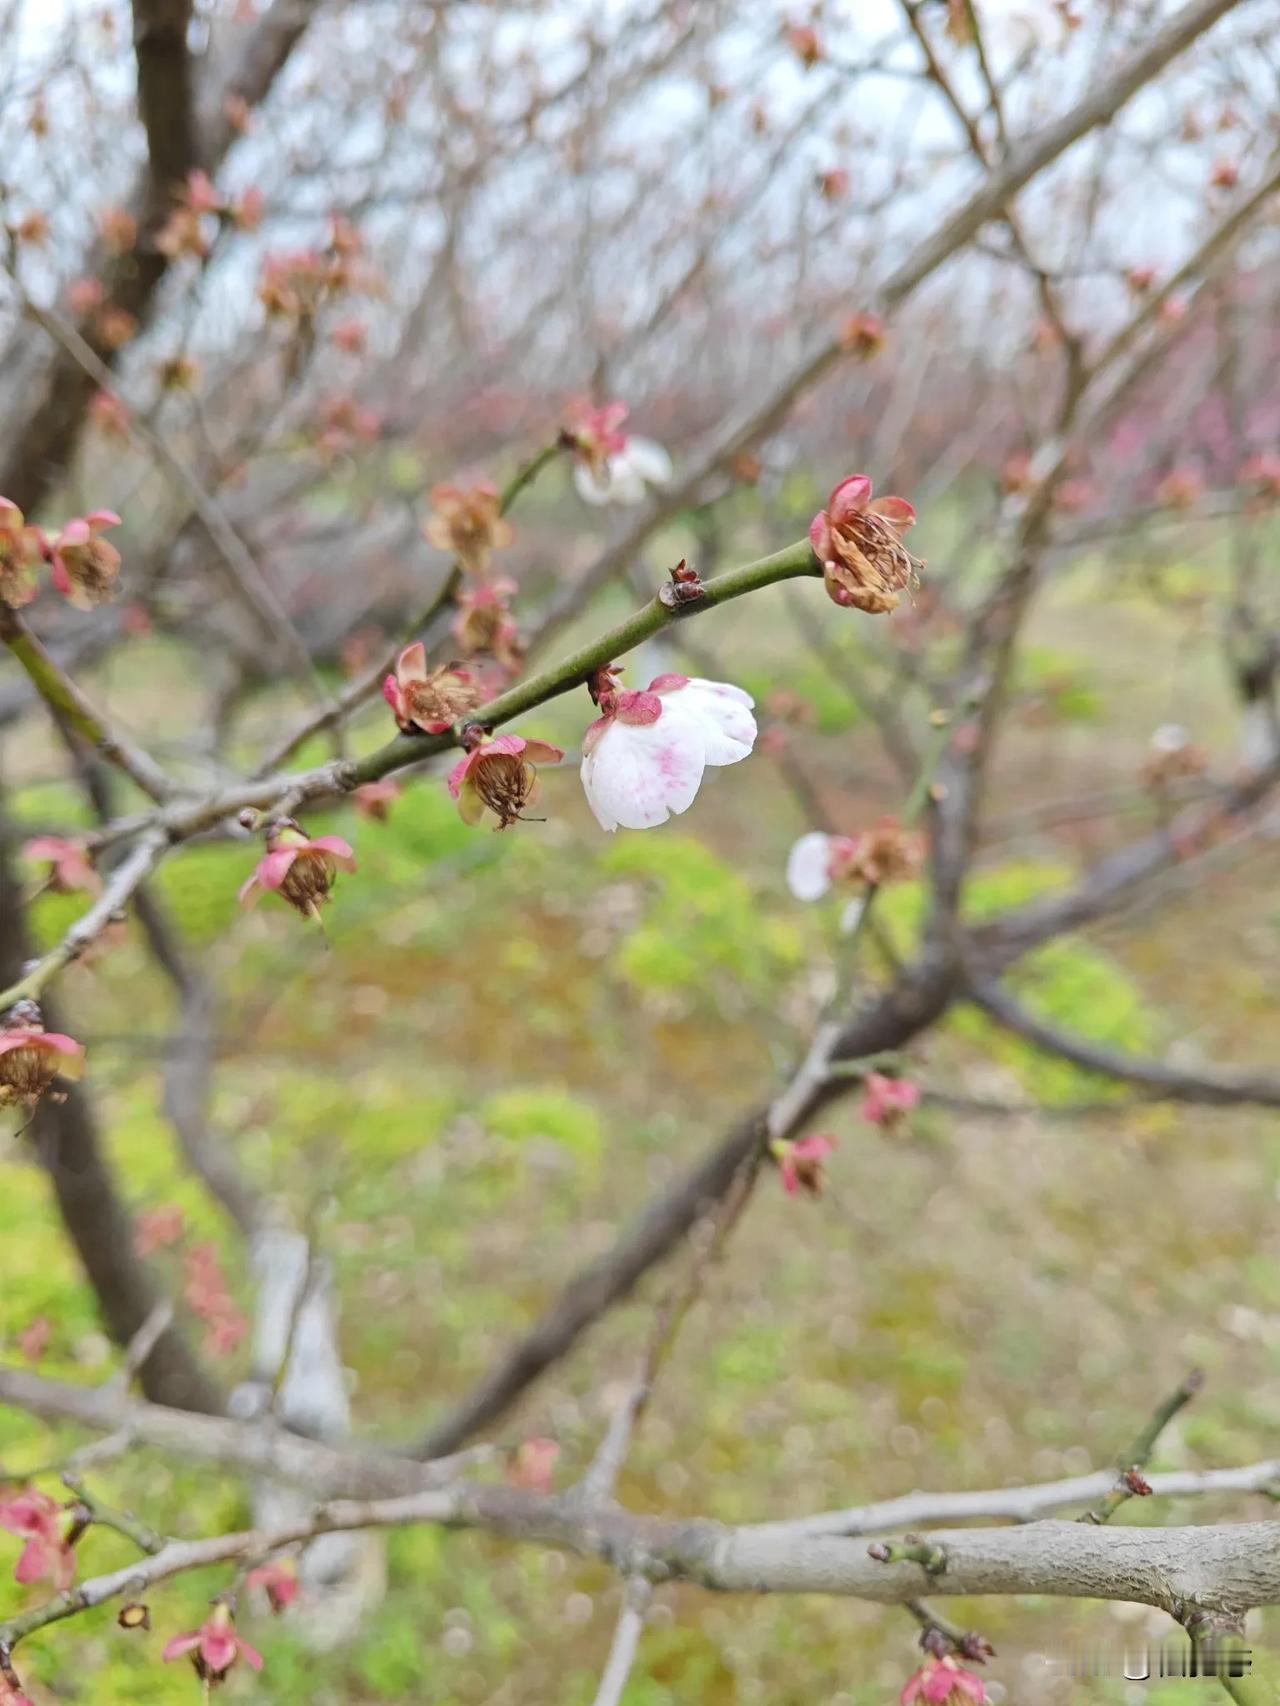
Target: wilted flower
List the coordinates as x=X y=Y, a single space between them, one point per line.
x=498 y=775
x=158 y=1228
x=484 y=623
x=32 y=228
x=1073 y=495
x=43 y=1524
x=863 y=333
x=803 y=41
x=1225 y=174
x=31 y=1057
x=299 y=869
x=279 y=1581
x=67 y=864
x=345 y=425
x=594 y=432
x=109 y=414
x=374 y=799
x=834 y=182
x=430 y=700
x=468 y=521
x=942 y=1682
x=886 y=1101
x=885 y=853
x=800 y=1163
x=85 y=565
x=114 y=327
x=349 y=335
x=858 y=541
x=178 y=373
x=1140 y=279
x=118 y=229
x=1181 y=488
x=534 y=1464
x=644 y=758
x=214 y=1647
x=19 y=556
x=83 y=295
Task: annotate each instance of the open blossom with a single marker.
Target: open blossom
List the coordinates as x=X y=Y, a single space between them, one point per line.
x=800 y=1163
x=884 y=853
x=643 y=759
x=469 y=522
x=67 y=865
x=19 y=556
x=858 y=541
x=298 y=868
x=42 y=1523
x=942 y=1682
x=214 y=1647
x=626 y=476
x=31 y=1057
x=278 y=1579
x=498 y=776
x=594 y=431
x=430 y=700
x=85 y=565
x=886 y=1101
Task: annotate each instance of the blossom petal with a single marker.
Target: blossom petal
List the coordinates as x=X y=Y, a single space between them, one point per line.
x=340 y=851
x=180 y=1644
x=809 y=866
x=34 y=1561
x=251 y=1656
x=273 y=868
x=724 y=712
x=542 y=752
x=647 y=458
x=458 y=774
x=638 y=774
x=590 y=489
x=470 y=806
x=412 y=663
x=896 y=511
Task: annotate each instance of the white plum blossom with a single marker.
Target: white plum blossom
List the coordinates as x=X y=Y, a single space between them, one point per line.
x=625 y=475
x=644 y=758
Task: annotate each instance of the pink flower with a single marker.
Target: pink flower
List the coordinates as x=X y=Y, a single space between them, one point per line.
x=882 y=854
x=498 y=775
x=279 y=1581
x=83 y=295
x=863 y=334
x=31 y=1057
x=595 y=431
x=644 y=758
x=469 y=522
x=484 y=623
x=20 y=553
x=33 y=1340
x=85 y=566
x=299 y=869
x=942 y=1682
x=612 y=466
x=1181 y=488
x=800 y=1163
x=214 y=1647
x=534 y=1464
x=38 y=1520
x=158 y=1228
x=430 y=700
x=858 y=541
x=68 y=865
x=374 y=799
x=886 y=1101
x=247 y=209
x=109 y=415
x=349 y=335
x=816 y=861
x=1140 y=279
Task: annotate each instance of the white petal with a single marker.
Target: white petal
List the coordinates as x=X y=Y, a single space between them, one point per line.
x=728 y=726
x=626 y=485
x=808 y=876
x=738 y=693
x=851 y=917
x=646 y=458
x=637 y=774
x=591 y=490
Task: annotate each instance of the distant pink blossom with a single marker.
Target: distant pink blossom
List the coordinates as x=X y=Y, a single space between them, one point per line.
x=68 y=867
x=886 y=1101
x=942 y=1682
x=214 y=1647
x=42 y=1523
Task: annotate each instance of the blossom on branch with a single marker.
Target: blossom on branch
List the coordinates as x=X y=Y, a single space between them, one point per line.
x=800 y=1163
x=887 y=1101
x=942 y=1682
x=430 y=700
x=484 y=623
x=613 y=466
x=533 y=1464
x=67 y=864
x=31 y=1057
x=48 y=1554
x=300 y=869
x=498 y=776
x=469 y=522
x=85 y=565
x=643 y=760
x=375 y=799
x=858 y=541
x=214 y=1647
x=278 y=1579
x=20 y=554
x=882 y=854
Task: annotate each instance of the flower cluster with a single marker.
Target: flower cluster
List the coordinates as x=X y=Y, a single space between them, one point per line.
x=300 y=869
x=31 y=1058
x=209 y=1297
x=468 y=522
x=612 y=466
x=644 y=758
x=84 y=565
x=295 y=285
x=858 y=541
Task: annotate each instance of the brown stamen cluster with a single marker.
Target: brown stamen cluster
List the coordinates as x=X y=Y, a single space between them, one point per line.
x=869 y=566
x=506 y=783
